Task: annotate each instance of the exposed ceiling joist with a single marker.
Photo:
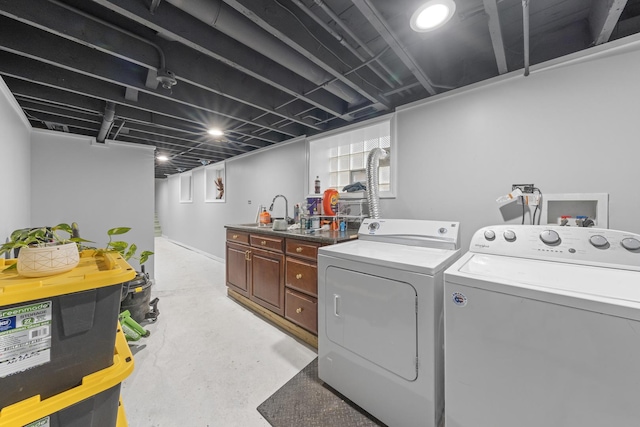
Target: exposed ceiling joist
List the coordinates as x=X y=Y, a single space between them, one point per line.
x=379 y=23
x=491 y=8
x=179 y=26
x=267 y=71
x=282 y=23
x=93 y=63
x=49 y=75
x=603 y=18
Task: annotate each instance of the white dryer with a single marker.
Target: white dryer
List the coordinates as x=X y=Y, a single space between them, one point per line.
x=542 y=328
x=380 y=318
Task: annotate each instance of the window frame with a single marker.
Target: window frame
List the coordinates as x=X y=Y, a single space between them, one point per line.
x=211 y=173
x=185 y=177
x=312 y=164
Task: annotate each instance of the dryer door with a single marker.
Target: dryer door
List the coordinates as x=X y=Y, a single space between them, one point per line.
x=374 y=318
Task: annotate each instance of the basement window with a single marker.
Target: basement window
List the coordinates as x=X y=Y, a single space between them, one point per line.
x=340 y=159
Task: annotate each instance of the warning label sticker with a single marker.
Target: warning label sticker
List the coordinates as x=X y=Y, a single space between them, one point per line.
x=43 y=422
x=25 y=337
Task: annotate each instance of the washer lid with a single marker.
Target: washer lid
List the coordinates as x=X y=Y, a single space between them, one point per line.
x=550 y=281
x=402 y=257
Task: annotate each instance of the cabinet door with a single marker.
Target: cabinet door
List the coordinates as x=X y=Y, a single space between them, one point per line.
x=267 y=280
x=237 y=268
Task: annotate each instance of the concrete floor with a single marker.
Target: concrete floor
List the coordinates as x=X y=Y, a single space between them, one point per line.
x=208 y=361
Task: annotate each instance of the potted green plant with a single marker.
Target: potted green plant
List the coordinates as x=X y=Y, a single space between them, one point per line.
x=43 y=251
x=127 y=250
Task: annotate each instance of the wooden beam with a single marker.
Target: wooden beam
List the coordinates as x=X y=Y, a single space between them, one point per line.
x=491 y=8
x=603 y=17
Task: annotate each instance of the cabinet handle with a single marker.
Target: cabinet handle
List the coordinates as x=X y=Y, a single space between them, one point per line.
x=298 y=250
x=299 y=276
x=298 y=310
x=235 y=236
x=264 y=242
x=247 y=255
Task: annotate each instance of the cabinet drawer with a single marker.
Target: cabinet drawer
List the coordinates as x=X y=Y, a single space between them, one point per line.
x=238 y=237
x=302 y=276
x=267 y=242
x=303 y=249
x=302 y=310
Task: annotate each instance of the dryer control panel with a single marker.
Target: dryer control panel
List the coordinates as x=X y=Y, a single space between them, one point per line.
x=588 y=246
x=412 y=232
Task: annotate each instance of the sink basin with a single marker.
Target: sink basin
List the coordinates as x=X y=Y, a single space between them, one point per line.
x=280 y=225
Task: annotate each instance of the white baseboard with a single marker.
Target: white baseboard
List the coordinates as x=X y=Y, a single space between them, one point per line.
x=191 y=248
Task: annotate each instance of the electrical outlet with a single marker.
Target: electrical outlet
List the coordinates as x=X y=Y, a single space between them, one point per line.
x=529 y=199
x=525 y=188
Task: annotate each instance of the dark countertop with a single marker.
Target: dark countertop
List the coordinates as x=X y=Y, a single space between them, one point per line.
x=325 y=237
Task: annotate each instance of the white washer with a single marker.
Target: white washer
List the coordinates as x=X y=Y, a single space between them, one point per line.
x=542 y=328
x=380 y=318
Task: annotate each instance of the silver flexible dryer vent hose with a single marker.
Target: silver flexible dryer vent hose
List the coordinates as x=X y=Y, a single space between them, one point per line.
x=373 y=162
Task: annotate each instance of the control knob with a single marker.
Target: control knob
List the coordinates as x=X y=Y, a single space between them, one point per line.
x=509 y=235
x=489 y=234
x=598 y=241
x=549 y=237
x=631 y=244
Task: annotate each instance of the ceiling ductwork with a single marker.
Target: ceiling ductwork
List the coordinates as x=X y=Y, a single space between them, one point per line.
x=107 y=122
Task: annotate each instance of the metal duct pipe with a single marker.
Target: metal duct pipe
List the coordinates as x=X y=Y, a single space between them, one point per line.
x=373 y=162
x=163 y=60
x=107 y=121
x=525 y=29
x=232 y=23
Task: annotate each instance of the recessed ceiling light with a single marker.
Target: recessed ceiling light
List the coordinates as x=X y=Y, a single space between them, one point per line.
x=215 y=132
x=433 y=14
x=162 y=158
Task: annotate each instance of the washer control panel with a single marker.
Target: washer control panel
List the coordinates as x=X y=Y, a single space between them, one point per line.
x=589 y=246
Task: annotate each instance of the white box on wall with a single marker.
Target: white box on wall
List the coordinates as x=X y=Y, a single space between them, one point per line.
x=592 y=205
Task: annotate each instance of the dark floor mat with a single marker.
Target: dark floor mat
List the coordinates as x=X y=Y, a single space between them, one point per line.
x=306 y=401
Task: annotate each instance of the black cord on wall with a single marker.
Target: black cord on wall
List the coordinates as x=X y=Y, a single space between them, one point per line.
x=533 y=219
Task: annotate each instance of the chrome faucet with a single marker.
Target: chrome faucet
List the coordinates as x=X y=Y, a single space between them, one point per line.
x=286 y=206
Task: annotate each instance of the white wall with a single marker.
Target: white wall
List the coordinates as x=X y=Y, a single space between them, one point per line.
x=98 y=186
x=257 y=177
x=571 y=128
x=15 y=165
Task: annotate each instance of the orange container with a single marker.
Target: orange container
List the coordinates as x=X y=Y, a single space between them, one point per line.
x=330 y=202
x=265 y=217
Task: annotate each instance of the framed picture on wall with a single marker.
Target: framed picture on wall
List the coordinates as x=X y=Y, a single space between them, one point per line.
x=214 y=183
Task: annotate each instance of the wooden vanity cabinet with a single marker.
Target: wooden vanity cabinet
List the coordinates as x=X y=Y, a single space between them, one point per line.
x=301 y=297
x=276 y=277
x=255 y=268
